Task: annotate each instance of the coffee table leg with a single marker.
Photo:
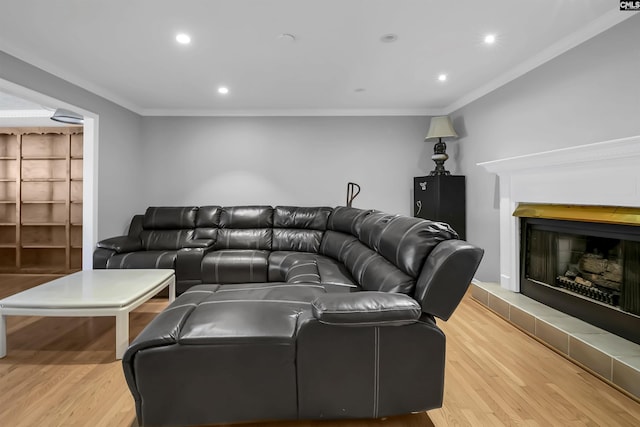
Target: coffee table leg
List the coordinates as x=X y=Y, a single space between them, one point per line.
x=172 y=291
x=3 y=336
x=122 y=333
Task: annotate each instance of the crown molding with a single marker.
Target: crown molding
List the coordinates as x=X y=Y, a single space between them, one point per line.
x=298 y=112
x=623 y=148
x=596 y=27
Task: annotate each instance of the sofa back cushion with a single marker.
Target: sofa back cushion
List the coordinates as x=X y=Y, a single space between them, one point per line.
x=207 y=222
x=169 y=218
x=246 y=217
x=370 y=270
x=308 y=218
x=248 y=238
x=165 y=240
x=167 y=228
x=404 y=241
x=245 y=227
x=347 y=220
x=299 y=228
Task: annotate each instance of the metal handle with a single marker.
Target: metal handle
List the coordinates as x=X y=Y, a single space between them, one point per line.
x=419 y=205
x=353 y=190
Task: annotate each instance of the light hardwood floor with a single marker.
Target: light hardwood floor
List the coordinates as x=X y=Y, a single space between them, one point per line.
x=62 y=372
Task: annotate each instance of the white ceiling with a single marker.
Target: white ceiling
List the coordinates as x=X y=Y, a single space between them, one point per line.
x=126 y=50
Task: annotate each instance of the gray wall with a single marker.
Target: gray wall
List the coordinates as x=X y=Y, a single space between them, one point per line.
x=119 y=152
x=284 y=160
x=589 y=94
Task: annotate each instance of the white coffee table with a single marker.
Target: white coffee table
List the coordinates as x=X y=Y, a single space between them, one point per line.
x=89 y=293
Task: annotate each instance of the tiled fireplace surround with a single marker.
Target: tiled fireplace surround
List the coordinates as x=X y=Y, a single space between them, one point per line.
x=602 y=174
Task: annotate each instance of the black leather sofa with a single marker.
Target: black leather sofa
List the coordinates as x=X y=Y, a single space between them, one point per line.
x=291 y=313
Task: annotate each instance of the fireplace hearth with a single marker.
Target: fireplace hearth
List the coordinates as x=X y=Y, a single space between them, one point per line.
x=587 y=269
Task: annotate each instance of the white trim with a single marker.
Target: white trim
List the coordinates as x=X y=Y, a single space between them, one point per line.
x=298 y=112
x=89 y=164
x=558 y=176
x=607 y=150
x=596 y=27
x=25 y=114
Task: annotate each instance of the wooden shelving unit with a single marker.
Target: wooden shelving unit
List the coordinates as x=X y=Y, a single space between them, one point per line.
x=40 y=200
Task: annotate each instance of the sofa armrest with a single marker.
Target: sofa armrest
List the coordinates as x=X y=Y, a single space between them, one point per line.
x=199 y=243
x=366 y=309
x=121 y=244
x=446 y=276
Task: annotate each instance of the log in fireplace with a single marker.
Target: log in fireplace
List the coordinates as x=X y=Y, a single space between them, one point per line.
x=584 y=261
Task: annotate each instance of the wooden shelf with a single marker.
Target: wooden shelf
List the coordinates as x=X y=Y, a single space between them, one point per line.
x=44 y=180
x=44 y=157
x=32 y=202
x=43 y=169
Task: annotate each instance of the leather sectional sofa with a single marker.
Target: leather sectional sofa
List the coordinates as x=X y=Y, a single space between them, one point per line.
x=291 y=312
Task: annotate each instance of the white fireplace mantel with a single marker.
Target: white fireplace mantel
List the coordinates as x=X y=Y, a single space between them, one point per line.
x=605 y=174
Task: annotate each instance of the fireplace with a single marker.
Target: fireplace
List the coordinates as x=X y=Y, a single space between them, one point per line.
x=593 y=175
x=574 y=261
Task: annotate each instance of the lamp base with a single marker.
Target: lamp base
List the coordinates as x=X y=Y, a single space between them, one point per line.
x=439 y=157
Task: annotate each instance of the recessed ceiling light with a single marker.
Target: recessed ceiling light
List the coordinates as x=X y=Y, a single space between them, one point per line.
x=223 y=90
x=442 y=77
x=183 y=38
x=490 y=38
x=389 y=38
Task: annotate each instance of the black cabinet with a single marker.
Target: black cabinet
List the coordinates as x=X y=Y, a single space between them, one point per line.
x=441 y=198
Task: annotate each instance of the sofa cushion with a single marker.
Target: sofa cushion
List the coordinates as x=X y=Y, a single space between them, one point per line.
x=366 y=309
x=404 y=241
x=334 y=276
x=207 y=222
x=244 y=238
x=169 y=218
x=335 y=244
x=235 y=266
x=143 y=259
x=309 y=218
x=262 y=312
x=303 y=272
x=281 y=261
x=347 y=219
x=246 y=217
x=374 y=273
x=371 y=271
x=162 y=240
x=287 y=239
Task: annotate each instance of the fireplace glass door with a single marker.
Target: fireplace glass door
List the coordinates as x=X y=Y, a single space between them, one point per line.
x=588 y=270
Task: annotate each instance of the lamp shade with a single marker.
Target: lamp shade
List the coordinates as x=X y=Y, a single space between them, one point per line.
x=440 y=127
x=66 y=116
